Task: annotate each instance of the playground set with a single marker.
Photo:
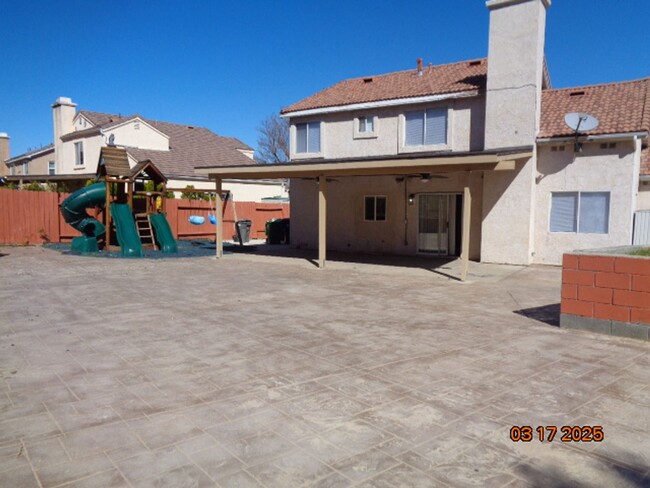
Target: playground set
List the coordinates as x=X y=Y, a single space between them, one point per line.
x=132 y=217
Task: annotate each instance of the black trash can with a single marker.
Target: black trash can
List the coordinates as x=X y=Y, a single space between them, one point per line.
x=274 y=231
x=243 y=231
x=286 y=229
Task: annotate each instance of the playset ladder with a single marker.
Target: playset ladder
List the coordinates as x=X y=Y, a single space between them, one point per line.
x=143 y=224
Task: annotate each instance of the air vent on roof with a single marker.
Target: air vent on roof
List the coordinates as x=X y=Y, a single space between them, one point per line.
x=367 y=80
x=474 y=63
x=576 y=93
x=190 y=127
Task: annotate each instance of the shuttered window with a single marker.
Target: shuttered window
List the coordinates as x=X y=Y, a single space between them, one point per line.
x=308 y=137
x=564 y=212
x=425 y=127
x=581 y=212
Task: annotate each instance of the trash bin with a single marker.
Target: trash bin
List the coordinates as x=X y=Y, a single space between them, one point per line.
x=243 y=231
x=286 y=230
x=274 y=231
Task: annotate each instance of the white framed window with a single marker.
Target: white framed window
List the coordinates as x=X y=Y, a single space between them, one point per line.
x=365 y=127
x=51 y=168
x=79 y=153
x=374 y=208
x=580 y=212
x=12 y=170
x=308 y=137
x=425 y=127
x=25 y=168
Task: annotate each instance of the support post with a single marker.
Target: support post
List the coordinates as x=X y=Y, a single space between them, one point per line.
x=467 y=214
x=219 y=216
x=322 y=220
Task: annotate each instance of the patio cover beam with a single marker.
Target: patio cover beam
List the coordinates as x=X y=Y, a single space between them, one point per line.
x=413 y=164
x=219 y=216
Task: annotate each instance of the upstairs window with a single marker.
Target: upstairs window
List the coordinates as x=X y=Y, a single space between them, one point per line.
x=308 y=137
x=51 y=168
x=425 y=127
x=580 y=212
x=366 y=125
x=25 y=168
x=375 y=208
x=79 y=153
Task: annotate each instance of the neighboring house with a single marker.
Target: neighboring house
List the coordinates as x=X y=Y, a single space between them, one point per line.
x=35 y=162
x=174 y=148
x=472 y=156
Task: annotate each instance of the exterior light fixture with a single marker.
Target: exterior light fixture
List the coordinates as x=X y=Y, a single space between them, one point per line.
x=411 y=198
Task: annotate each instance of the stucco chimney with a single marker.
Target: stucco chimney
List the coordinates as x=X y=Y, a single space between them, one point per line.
x=63 y=112
x=4 y=153
x=515 y=72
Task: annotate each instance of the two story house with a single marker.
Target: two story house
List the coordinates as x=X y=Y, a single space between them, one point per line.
x=174 y=148
x=470 y=159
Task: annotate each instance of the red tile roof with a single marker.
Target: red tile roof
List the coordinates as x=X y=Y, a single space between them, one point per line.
x=435 y=80
x=190 y=146
x=645 y=161
x=619 y=107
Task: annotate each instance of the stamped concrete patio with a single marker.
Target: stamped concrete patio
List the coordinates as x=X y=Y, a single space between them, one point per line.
x=268 y=372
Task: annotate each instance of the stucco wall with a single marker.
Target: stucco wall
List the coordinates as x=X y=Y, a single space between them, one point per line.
x=136 y=133
x=643 y=197
x=338 y=139
x=594 y=169
x=66 y=157
x=508 y=215
x=348 y=232
x=37 y=165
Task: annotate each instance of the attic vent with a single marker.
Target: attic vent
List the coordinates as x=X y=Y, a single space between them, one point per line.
x=577 y=93
x=367 y=80
x=190 y=127
x=474 y=63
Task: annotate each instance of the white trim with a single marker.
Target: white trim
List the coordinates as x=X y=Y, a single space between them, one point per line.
x=597 y=137
x=106 y=130
x=381 y=103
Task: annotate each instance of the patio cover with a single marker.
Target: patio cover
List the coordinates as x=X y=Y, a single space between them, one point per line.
x=412 y=163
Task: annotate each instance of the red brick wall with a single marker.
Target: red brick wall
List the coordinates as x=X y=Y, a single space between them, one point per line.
x=606 y=287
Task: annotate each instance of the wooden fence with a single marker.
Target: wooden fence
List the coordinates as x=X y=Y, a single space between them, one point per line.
x=33 y=217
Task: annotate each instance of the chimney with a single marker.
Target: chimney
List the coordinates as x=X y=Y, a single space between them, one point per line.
x=63 y=112
x=4 y=153
x=515 y=71
x=419 y=65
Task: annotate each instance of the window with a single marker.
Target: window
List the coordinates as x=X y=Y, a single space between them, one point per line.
x=366 y=125
x=79 y=153
x=581 y=212
x=12 y=170
x=308 y=137
x=375 y=208
x=51 y=168
x=425 y=127
x=25 y=168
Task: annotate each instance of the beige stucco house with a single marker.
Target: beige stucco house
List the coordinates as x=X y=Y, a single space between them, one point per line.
x=174 y=148
x=470 y=159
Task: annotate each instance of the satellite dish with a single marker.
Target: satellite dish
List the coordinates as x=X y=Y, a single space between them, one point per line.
x=111 y=140
x=580 y=121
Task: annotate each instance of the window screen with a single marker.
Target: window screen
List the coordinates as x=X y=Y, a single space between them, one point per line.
x=594 y=213
x=425 y=127
x=308 y=137
x=564 y=209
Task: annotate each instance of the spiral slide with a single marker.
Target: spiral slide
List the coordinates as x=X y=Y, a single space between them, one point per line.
x=74 y=213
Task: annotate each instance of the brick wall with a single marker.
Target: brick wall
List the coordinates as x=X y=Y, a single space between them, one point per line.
x=615 y=288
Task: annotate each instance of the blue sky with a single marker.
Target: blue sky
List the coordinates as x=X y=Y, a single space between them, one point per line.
x=226 y=65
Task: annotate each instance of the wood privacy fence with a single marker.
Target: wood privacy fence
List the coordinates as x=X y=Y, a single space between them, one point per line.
x=33 y=217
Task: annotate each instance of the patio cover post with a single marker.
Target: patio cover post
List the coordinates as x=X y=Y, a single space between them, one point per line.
x=467 y=213
x=322 y=220
x=219 y=216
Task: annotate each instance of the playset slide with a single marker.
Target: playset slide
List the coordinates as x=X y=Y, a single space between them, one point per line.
x=163 y=232
x=74 y=213
x=127 y=233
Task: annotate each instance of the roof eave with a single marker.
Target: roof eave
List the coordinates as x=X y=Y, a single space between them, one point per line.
x=381 y=103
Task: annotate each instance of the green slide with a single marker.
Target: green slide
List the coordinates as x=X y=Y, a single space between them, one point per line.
x=163 y=231
x=127 y=233
x=74 y=213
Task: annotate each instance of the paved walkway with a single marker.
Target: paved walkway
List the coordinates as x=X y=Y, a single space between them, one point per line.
x=269 y=372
